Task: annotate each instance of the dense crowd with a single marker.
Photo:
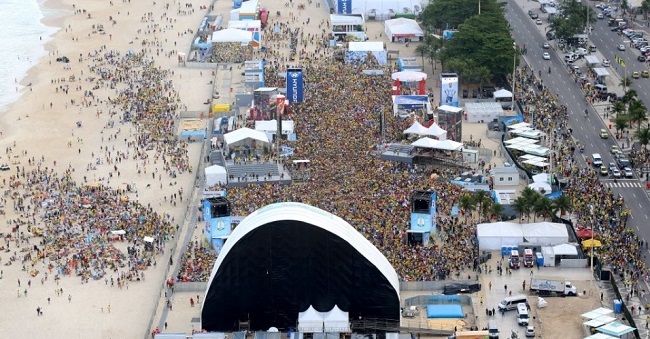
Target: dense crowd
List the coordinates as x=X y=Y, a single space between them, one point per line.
x=230 y=52
x=594 y=205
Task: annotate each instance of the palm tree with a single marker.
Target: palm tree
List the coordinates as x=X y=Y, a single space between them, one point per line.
x=625 y=82
x=497 y=209
x=638 y=112
x=643 y=135
x=562 y=204
x=620 y=122
x=481 y=198
x=521 y=206
x=629 y=95
x=645 y=8
x=467 y=204
x=619 y=108
x=543 y=206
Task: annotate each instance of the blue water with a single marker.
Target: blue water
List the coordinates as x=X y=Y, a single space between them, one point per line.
x=22 y=37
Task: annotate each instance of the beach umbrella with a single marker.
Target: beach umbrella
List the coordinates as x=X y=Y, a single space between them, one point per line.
x=591 y=243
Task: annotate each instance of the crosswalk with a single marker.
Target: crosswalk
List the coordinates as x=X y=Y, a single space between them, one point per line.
x=623 y=184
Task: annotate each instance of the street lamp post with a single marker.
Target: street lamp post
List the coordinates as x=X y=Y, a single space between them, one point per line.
x=514 y=68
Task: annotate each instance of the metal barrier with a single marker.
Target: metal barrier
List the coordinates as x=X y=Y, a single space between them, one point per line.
x=626 y=312
x=430 y=285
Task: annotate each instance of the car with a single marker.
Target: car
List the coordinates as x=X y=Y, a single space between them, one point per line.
x=530 y=331
x=615 y=150
x=592 y=48
x=546 y=56
x=606 y=63
x=576 y=69
x=538 y=21
x=645 y=73
x=546 y=45
x=641 y=58
x=628 y=172
x=4 y=167
x=623 y=162
x=603 y=133
x=635 y=75
x=600 y=16
x=621 y=47
x=616 y=173
x=604 y=170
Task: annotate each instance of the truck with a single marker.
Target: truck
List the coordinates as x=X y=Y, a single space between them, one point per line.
x=529 y=259
x=514 y=259
x=547 y=287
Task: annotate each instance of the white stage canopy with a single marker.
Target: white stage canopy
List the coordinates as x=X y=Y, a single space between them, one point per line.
x=337 y=321
x=483 y=111
x=243 y=134
x=232 y=35
x=416 y=128
x=311 y=321
x=425 y=142
x=547 y=233
x=492 y=236
x=271 y=126
x=402 y=28
x=502 y=93
x=365 y=46
x=215 y=175
x=436 y=131
x=409 y=76
x=449 y=145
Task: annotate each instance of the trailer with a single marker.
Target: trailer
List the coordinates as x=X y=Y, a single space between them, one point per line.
x=546 y=287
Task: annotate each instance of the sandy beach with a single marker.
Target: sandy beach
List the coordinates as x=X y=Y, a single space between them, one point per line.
x=64 y=122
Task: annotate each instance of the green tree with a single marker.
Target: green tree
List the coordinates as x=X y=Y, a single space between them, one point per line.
x=562 y=204
x=450 y=14
x=638 y=112
x=620 y=122
x=497 y=210
x=625 y=82
x=572 y=20
x=643 y=134
x=481 y=198
x=629 y=96
x=521 y=206
x=645 y=8
x=543 y=207
x=618 y=108
x=467 y=204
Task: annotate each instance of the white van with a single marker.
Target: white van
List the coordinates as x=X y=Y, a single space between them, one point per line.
x=510 y=303
x=522 y=314
x=597 y=160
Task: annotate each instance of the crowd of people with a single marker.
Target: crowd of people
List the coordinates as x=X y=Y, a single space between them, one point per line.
x=230 y=52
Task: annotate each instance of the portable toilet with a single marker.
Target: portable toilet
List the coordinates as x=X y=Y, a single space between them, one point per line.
x=540 y=259
x=618 y=306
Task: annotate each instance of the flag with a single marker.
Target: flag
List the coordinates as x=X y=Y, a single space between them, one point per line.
x=620 y=61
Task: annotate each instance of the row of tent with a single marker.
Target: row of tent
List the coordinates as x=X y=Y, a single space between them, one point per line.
x=312 y=321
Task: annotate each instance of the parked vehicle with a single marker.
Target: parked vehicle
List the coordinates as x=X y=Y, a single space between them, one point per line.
x=529 y=258
x=549 y=287
x=510 y=303
x=514 y=259
x=522 y=314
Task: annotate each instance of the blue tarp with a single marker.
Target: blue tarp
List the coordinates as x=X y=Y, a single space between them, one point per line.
x=444 y=311
x=411 y=100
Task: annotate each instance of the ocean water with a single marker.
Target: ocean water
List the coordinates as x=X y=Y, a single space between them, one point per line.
x=23 y=38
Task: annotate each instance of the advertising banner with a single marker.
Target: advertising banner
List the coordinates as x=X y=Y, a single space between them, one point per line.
x=294 y=85
x=220 y=227
x=434 y=214
x=449 y=89
x=421 y=222
x=344 y=7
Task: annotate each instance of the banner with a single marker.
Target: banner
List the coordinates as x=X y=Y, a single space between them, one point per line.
x=449 y=89
x=220 y=227
x=294 y=85
x=344 y=7
x=421 y=222
x=434 y=213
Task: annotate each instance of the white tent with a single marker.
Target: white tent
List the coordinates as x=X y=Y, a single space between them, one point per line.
x=547 y=233
x=541 y=186
x=215 y=175
x=310 y=321
x=449 y=145
x=425 y=142
x=492 y=236
x=549 y=256
x=502 y=93
x=243 y=134
x=337 y=321
x=271 y=126
x=366 y=46
x=416 y=128
x=409 y=76
x=402 y=28
x=232 y=35
x=565 y=249
x=436 y=131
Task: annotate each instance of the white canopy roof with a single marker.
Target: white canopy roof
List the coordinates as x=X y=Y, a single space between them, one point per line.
x=242 y=134
x=593 y=314
x=337 y=321
x=448 y=108
x=215 y=175
x=435 y=130
x=600 y=335
x=546 y=233
x=365 y=46
x=541 y=186
x=425 y=142
x=271 y=126
x=600 y=321
x=402 y=28
x=492 y=236
x=310 y=321
x=502 y=93
x=565 y=249
x=232 y=35
x=518 y=125
x=449 y=145
x=416 y=128
x=409 y=76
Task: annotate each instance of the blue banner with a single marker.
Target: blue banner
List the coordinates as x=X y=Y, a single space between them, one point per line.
x=294 y=85
x=434 y=214
x=344 y=7
x=421 y=222
x=220 y=227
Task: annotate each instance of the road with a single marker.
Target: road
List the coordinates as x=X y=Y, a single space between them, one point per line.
x=586 y=130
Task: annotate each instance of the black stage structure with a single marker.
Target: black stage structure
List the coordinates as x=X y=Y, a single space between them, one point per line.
x=288 y=256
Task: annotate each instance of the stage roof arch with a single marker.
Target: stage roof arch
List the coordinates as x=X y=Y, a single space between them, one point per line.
x=336 y=265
